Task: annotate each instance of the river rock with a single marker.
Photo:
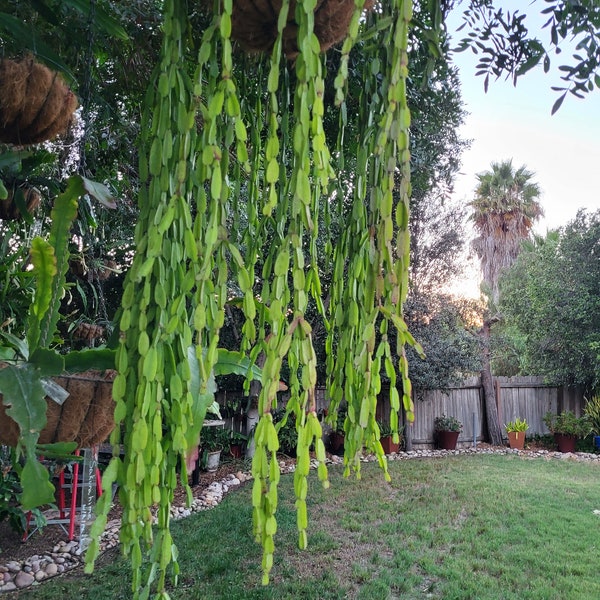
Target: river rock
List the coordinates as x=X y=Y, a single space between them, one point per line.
x=23 y=579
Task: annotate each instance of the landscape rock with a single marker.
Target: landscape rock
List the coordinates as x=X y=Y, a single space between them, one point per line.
x=24 y=579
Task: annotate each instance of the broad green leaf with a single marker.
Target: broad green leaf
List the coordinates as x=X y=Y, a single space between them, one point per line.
x=100 y=192
x=35 y=480
x=63 y=449
x=236 y=363
x=101 y=19
x=63 y=214
x=44 y=268
x=23 y=398
x=17 y=343
x=25 y=38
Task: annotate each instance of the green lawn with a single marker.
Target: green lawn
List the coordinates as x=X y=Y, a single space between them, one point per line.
x=468 y=527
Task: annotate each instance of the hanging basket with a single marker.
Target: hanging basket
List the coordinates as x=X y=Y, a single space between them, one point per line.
x=85 y=417
x=27 y=198
x=35 y=103
x=254 y=24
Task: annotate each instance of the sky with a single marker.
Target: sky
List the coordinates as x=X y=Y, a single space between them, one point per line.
x=508 y=122
x=563 y=150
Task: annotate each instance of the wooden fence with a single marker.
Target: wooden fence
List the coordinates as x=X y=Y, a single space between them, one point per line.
x=516 y=397
x=523 y=397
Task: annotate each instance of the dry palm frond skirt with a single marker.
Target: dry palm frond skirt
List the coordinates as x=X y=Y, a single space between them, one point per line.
x=254 y=24
x=85 y=417
x=35 y=103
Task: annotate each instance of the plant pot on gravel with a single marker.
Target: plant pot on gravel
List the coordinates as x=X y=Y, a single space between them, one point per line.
x=565 y=442
x=213 y=460
x=447 y=430
x=567 y=428
x=386 y=438
x=515 y=430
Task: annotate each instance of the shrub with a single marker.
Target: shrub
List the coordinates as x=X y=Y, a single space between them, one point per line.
x=444 y=423
x=567 y=423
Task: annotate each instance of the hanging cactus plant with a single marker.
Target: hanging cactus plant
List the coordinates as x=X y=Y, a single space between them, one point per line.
x=243 y=197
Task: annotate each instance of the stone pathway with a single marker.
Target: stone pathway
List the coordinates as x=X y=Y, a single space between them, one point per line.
x=65 y=556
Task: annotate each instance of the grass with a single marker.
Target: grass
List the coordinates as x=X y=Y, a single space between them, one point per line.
x=478 y=527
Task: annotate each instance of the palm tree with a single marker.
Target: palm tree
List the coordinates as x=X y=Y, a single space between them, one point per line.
x=505 y=208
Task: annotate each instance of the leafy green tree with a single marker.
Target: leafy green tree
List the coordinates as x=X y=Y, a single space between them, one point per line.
x=452 y=349
x=552 y=296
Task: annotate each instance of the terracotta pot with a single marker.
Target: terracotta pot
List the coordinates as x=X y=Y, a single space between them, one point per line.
x=85 y=417
x=446 y=440
x=516 y=439
x=565 y=443
x=388 y=445
x=236 y=450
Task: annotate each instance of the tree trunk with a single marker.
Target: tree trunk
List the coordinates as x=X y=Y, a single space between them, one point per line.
x=489 y=393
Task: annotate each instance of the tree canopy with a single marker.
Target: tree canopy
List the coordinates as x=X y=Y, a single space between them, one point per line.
x=509 y=46
x=551 y=295
x=505 y=208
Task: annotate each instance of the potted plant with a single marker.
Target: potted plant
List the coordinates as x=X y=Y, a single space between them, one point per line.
x=567 y=428
x=447 y=430
x=516 y=433
x=236 y=443
x=592 y=412
x=386 y=437
x=213 y=441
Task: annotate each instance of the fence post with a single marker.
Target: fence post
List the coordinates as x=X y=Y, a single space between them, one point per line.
x=498 y=391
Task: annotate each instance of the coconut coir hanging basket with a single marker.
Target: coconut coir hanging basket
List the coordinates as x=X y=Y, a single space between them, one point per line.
x=254 y=24
x=85 y=417
x=35 y=103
